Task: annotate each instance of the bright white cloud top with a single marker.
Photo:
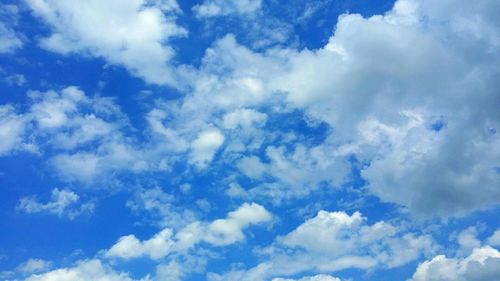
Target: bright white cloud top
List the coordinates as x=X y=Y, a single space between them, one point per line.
x=250 y=140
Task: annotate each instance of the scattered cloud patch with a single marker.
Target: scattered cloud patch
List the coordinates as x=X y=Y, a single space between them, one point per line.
x=63 y=203
x=214 y=8
x=133 y=36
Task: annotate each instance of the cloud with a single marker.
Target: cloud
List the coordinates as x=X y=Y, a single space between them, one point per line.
x=160 y=207
x=494 y=239
x=213 y=8
x=15 y=80
x=334 y=241
x=83 y=271
x=481 y=265
x=220 y=232
x=230 y=230
x=252 y=167
x=33 y=266
x=204 y=147
x=320 y=277
x=10 y=40
x=467 y=240
x=381 y=83
x=63 y=203
x=12 y=127
x=244 y=118
x=133 y=36
x=129 y=246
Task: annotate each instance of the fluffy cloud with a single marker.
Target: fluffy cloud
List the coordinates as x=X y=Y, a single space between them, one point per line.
x=133 y=35
x=10 y=40
x=243 y=118
x=230 y=230
x=33 y=266
x=129 y=246
x=83 y=271
x=481 y=265
x=204 y=147
x=12 y=127
x=399 y=74
x=63 y=203
x=161 y=208
x=410 y=154
x=220 y=232
x=320 y=277
x=334 y=241
x=494 y=239
x=211 y=8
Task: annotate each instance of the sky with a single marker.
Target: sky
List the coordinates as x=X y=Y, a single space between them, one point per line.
x=249 y=140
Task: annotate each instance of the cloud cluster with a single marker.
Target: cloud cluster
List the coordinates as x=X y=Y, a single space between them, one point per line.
x=62 y=203
x=212 y=8
x=84 y=271
x=334 y=241
x=10 y=40
x=132 y=34
x=482 y=264
x=320 y=277
x=220 y=232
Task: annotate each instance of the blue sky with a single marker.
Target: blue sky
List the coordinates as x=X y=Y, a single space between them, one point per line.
x=249 y=140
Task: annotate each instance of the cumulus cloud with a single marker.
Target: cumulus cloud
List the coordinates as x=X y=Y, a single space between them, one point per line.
x=220 y=232
x=252 y=167
x=129 y=246
x=230 y=230
x=133 y=36
x=33 y=266
x=494 y=239
x=334 y=241
x=320 y=277
x=242 y=118
x=213 y=8
x=10 y=40
x=83 y=271
x=383 y=83
x=204 y=147
x=12 y=127
x=63 y=203
x=160 y=207
x=481 y=265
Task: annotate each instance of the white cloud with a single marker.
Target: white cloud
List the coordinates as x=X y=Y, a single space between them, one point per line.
x=294 y=172
x=131 y=34
x=320 y=277
x=83 y=271
x=33 y=266
x=220 y=232
x=230 y=230
x=213 y=8
x=373 y=69
x=15 y=80
x=334 y=241
x=467 y=240
x=494 y=239
x=204 y=147
x=129 y=246
x=160 y=207
x=244 y=118
x=172 y=271
x=402 y=151
x=63 y=203
x=252 y=167
x=12 y=127
x=481 y=265
x=10 y=40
